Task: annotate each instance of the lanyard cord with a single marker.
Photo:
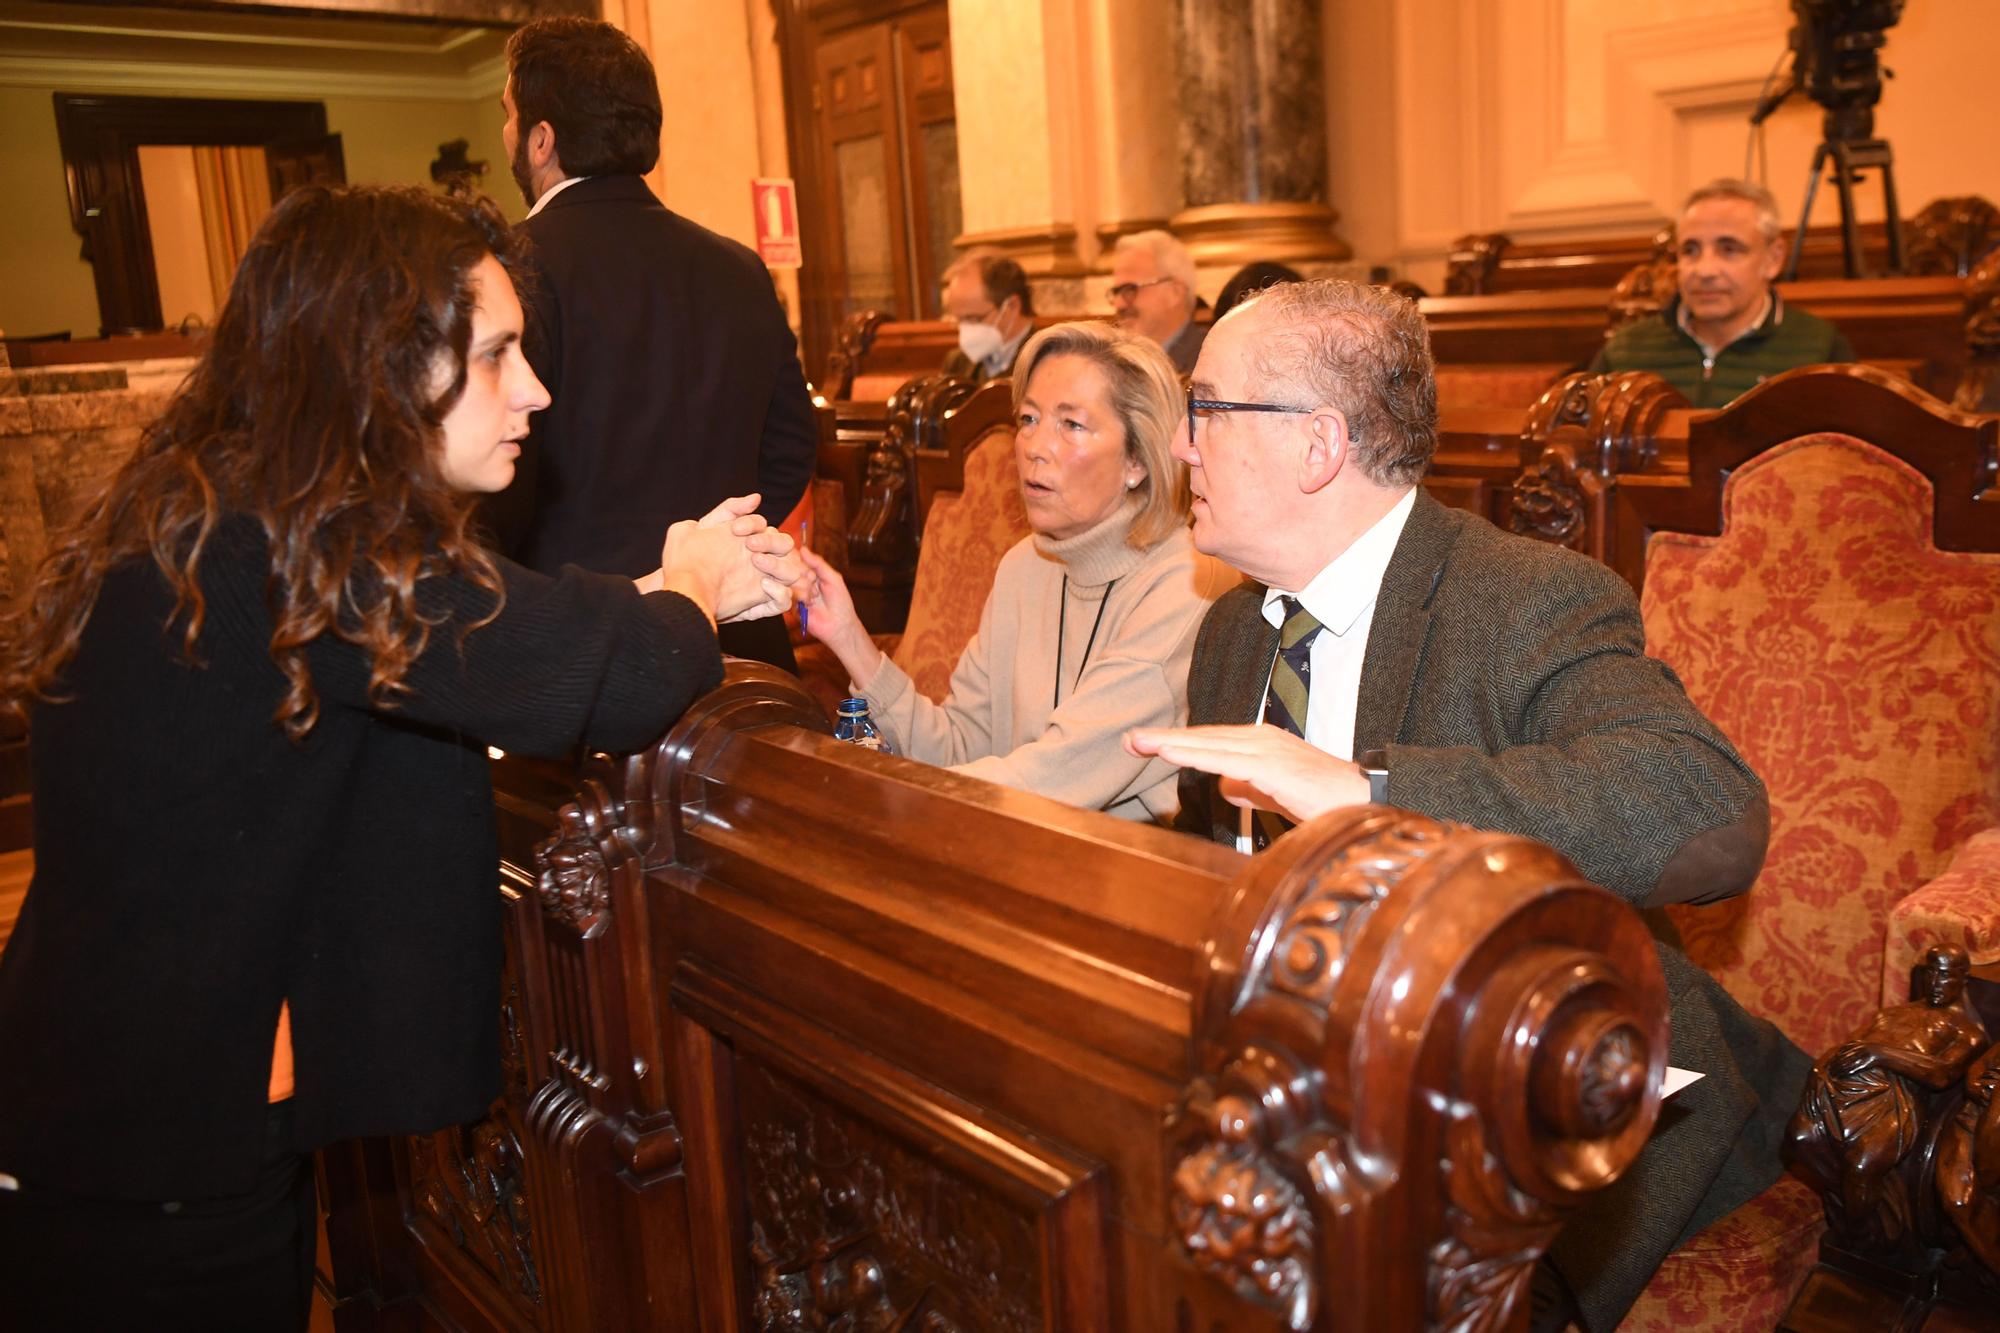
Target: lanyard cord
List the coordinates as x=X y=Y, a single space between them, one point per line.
x=1062 y=622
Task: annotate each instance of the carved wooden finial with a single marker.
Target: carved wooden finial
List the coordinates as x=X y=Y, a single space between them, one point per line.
x=1358 y=1085
x=1581 y=434
x=1951 y=236
x=851 y=344
x=1473 y=261
x=1979 y=387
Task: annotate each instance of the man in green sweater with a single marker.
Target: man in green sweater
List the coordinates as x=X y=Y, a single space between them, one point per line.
x=1727 y=330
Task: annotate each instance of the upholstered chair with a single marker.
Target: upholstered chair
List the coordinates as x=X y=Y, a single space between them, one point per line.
x=1857 y=666
x=965 y=533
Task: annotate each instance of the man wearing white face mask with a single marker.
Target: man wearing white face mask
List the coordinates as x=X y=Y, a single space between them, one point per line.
x=986 y=295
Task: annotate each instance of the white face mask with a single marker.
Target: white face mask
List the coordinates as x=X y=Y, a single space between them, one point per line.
x=978 y=341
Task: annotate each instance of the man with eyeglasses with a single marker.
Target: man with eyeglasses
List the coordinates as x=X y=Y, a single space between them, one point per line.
x=1152 y=293
x=1399 y=651
x=986 y=294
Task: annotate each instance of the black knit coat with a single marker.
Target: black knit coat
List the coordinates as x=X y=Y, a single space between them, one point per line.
x=194 y=868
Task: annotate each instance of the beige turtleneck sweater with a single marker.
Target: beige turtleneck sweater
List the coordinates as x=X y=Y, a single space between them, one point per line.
x=1000 y=721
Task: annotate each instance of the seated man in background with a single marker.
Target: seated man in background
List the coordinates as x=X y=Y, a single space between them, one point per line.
x=1480 y=677
x=986 y=294
x=1727 y=330
x=1152 y=294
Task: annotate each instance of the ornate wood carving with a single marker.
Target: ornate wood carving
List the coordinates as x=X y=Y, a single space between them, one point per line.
x=885 y=528
x=470 y=1182
x=1618 y=416
x=1863 y=1135
x=1951 y=235
x=1552 y=497
x=1472 y=261
x=1645 y=291
x=851 y=344
x=921 y=1084
x=1979 y=388
x=1899 y=1135
x=1968 y=1165
x=1239 y=1216
x=853 y=1230
x=1579 y=437
x=572 y=866
x=1286 y=1153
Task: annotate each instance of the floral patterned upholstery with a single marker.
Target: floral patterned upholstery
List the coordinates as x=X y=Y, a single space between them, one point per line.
x=1739 y=1275
x=1961 y=906
x=1858 y=669
x=965 y=535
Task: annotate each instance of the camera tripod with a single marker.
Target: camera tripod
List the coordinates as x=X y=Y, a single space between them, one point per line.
x=1849 y=158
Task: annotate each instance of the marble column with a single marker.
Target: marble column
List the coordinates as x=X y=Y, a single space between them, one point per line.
x=1253 y=132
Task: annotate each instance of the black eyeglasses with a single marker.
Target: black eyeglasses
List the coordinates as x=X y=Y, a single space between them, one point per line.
x=1195 y=405
x=1125 y=291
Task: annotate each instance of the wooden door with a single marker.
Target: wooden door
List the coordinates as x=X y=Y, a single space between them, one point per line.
x=861 y=147
x=878 y=159
x=923 y=44
x=100 y=137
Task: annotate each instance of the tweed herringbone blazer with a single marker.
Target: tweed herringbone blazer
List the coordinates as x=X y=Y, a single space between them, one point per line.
x=1508 y=681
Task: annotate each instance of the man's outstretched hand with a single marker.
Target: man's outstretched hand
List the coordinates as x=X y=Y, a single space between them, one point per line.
x=1261 y=766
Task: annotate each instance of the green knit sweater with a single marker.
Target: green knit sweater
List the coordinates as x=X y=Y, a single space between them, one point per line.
x=1787 y=338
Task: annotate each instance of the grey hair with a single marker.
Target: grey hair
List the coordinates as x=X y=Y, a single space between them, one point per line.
x=1170 y=257
x=1362 y=350
x=1759 y=198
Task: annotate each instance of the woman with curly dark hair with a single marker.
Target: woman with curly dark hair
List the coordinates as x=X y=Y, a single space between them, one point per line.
x=261 y=673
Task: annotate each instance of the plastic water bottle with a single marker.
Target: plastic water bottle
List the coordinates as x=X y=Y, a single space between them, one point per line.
x=856 y=727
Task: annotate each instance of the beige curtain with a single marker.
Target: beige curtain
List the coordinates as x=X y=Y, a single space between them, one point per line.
x=235 y=196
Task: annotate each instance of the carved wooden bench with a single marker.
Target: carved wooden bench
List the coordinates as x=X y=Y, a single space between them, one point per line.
x=801 y=1036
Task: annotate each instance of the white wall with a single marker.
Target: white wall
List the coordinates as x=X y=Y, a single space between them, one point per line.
x=1547 y=119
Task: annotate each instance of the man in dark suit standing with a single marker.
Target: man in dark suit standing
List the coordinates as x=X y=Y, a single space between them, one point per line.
x=676 y=381
x=1476 y=676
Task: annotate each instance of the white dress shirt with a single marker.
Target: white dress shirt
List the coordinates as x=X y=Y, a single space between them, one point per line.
x=1342 y=598
x=553 y=191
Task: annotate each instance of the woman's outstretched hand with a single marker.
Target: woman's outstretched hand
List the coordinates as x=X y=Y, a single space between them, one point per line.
x=833 y=621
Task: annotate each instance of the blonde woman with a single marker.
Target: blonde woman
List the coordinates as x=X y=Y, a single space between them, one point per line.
x=1092 y=618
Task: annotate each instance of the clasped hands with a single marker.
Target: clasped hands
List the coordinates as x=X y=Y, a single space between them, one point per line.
x=1261 y=766
x=732 y=563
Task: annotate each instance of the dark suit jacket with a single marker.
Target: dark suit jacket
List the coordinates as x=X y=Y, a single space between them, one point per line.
x=1508 y=681
x=1185 y=348
x=676 y=382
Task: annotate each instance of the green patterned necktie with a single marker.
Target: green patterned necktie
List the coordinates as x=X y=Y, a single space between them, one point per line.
x=1285 y=701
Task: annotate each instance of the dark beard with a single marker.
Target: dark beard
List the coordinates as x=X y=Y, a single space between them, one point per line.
x=519 y=166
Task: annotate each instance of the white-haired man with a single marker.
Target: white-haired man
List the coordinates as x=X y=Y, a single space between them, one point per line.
x=1152 y=293
x=1476 y=676
x=1727 y=330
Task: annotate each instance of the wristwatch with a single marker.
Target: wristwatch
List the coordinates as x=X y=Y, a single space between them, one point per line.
x=1375 y=765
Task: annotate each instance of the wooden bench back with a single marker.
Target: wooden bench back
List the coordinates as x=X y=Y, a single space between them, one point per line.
x=843 y=1037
